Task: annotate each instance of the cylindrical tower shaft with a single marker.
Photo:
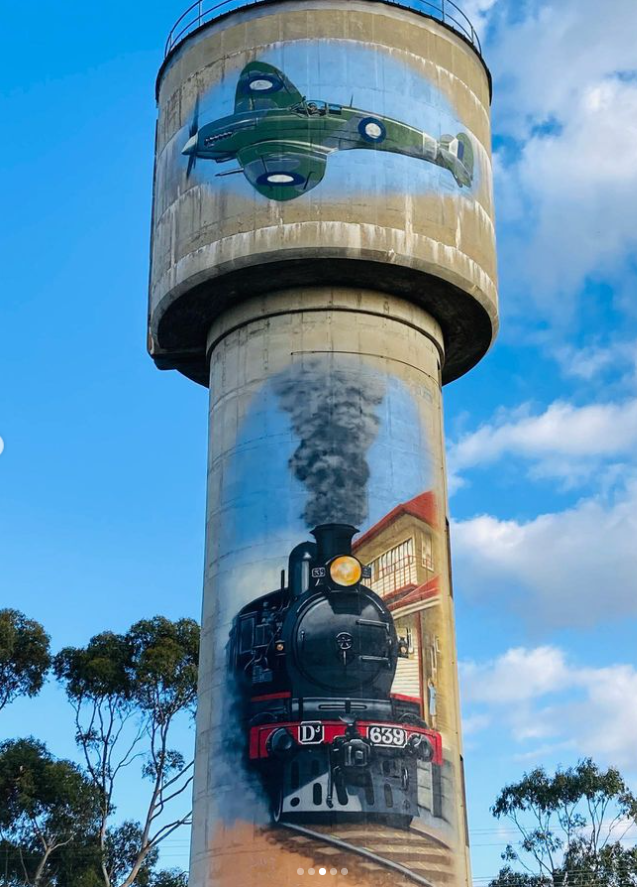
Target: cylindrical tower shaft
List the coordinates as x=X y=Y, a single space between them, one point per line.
x=326 y=408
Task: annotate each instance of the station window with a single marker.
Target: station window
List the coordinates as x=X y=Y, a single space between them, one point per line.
x=428 y=551
x=394 y=568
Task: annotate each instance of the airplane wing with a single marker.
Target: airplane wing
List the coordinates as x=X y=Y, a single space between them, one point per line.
x=262 y=87
x=282 y=172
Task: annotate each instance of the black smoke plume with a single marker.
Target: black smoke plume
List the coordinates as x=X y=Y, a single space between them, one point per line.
x=333 y=410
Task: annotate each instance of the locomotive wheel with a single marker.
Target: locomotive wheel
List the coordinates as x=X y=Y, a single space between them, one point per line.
x=276 y=803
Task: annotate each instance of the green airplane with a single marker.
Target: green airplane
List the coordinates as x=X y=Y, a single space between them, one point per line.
x=282 y=140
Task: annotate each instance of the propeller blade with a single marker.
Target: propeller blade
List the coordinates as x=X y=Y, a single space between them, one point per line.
x=194 y=125
x=192 y=132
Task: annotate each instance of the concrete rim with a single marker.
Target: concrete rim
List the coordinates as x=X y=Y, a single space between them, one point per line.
x=468 y=330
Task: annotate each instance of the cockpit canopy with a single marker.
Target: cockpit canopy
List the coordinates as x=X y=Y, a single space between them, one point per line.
x=316 y=108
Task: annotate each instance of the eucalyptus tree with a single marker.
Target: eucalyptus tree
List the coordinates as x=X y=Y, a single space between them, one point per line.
x=130 y=692
x=573 y=829
x=24 y=656
x=46 y=805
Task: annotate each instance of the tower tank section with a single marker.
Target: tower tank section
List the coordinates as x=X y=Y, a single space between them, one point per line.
x=322 y=143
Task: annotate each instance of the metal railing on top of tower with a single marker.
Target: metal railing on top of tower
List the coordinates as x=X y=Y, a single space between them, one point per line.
x=203 y=12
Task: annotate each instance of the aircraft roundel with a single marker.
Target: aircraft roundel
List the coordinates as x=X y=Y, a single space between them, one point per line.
x=372 y=129
x=264 y=83
x=280 y=177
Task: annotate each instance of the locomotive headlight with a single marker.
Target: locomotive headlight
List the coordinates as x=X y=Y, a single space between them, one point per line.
x=345 y=571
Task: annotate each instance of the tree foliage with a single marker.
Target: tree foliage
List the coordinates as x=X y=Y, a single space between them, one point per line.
x=128 y=691
x=45 y=805
x=170 y=878
x=79 y=863
x=571 y=828
x=24 y=656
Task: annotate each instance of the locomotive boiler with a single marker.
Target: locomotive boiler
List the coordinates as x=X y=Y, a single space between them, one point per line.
x=314 y=662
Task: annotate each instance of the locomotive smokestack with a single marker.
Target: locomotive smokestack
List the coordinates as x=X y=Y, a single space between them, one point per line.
x=333 y=540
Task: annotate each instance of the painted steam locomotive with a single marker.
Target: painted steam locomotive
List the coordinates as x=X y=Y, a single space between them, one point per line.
x=315 y=661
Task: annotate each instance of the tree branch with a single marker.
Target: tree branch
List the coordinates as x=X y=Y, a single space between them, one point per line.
x=167 y=830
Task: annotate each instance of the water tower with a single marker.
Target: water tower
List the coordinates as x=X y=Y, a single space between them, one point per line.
x=323 y=259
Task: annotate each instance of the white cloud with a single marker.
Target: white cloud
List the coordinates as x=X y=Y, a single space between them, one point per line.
x=594 y=361
x=568 y=568
x=518 y=675
x=549 y=749
x=477 y=11
x=474 y=724
x=566 y=194
x=563 y=441
x=1 y=446
x=554 y=53
x=582 y=185
x=572 y=568
x=596 y=717
x=474 y=9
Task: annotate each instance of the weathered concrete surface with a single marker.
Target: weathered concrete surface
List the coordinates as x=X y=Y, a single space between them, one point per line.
x=213 y=246
x=254 y=504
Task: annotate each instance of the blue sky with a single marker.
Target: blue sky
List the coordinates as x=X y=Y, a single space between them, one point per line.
x=102 y=478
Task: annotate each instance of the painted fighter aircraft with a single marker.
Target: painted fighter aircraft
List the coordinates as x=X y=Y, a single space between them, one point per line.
x=282 y=140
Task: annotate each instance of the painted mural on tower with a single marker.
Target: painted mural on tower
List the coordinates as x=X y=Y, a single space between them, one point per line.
x=308 y=117
x=336 y=723
x=281 y=140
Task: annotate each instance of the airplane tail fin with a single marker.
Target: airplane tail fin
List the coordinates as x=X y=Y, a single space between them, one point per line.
x=462 y=160
x=464 y=152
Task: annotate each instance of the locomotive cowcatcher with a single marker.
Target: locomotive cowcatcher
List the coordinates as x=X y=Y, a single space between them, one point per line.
x=314 y=662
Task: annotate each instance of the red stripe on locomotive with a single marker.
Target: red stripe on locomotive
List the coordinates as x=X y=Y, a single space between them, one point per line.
x=285 y=695
x=331 y=730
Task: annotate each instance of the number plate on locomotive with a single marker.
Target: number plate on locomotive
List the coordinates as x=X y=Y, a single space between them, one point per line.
x=311 y=733
x=388 y=737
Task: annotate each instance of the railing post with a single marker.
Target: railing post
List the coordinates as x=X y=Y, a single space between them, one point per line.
x=443 y=10
x=200 y=11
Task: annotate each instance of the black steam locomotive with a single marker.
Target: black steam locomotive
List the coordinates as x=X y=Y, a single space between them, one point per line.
x=315 y=661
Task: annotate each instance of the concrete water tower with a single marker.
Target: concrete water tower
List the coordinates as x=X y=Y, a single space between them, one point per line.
x=323 y=258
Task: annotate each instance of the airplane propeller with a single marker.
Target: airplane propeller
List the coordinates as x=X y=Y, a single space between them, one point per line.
x=191 y=147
